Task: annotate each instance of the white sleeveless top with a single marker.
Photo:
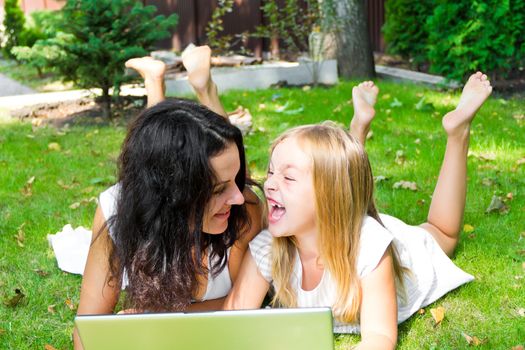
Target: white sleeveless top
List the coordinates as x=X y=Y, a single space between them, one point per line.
x=433 y=274
x=217 y=287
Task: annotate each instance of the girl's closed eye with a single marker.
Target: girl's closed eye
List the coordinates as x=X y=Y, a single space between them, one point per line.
x=289 y=178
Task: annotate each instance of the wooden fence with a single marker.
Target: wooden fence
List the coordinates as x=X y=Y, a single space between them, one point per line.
x=246 y=15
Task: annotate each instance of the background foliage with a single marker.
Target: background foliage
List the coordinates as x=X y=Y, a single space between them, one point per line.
x=457 y=37
x=91 y=39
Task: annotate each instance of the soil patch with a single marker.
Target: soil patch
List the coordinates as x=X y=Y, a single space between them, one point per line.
x=80 y=112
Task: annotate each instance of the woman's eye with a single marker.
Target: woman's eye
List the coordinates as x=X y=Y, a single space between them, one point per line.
x=219 y=191
x=287 y=178
x=270 y=172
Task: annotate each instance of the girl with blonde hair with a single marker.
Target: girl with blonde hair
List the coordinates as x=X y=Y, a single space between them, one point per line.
x=326 y=244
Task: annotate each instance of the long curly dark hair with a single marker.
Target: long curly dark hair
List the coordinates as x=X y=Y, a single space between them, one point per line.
x=165 y=181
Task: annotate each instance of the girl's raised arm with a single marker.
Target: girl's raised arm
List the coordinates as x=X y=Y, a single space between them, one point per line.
x=379 y=307
x=250 y=287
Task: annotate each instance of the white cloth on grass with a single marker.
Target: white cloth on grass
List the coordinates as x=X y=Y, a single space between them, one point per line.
x=71 y=247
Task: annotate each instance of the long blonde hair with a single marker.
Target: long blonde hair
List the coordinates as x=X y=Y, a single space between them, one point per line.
x=344 y=187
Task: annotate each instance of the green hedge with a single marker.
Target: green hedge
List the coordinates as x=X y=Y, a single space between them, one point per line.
x=459 y=37
x=405 y=31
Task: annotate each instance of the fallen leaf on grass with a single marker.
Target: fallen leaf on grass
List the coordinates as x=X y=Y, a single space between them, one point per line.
x=497 y=205
x=41 y=273
x=396 y=103
x=49 y=347
x=520 y=161
x=468 y=228
x=521 y=312
x=519 y=116
x=103 y=180
x=369 y=135
x=27 y=191
x=75 y=205
x=510 y=196
x=2 y=331
x=70 y=304
x=423 y=106
x=438 y=314
x=486 y=156
x=421 y=311
x=84 y=201
x=51 y=309
x=53 y=146
x=15 y=300
x=518 y=347
x=488 y=182
x=406 y=185
x=20 y=235
x=380 y=178
x=421 y=202
x=400 y=157
x=473 y=340
x=64 y=186
x=88 y=189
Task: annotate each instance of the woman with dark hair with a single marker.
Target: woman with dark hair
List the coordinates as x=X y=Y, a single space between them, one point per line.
x=174 y=229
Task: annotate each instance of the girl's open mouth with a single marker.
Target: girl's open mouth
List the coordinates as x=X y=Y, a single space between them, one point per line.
x=276 y=211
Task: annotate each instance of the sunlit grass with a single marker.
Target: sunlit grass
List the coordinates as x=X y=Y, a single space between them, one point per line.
x=486 y=308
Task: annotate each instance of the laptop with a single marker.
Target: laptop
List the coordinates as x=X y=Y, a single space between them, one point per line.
x=262 y=329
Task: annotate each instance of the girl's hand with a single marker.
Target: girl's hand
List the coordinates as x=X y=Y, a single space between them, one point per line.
x=130 y=312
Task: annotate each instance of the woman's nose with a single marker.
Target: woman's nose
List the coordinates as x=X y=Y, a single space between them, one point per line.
x=236 y=198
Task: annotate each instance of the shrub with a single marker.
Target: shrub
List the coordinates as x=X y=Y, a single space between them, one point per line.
x=98 y=37
x=465 y=36
x=44 y=43
x=218 y=41
x=14 y=22
x=404 y=29
x=291 y=23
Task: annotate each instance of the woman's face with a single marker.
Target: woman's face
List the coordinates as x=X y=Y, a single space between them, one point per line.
x=289 y=191
x=226 y=165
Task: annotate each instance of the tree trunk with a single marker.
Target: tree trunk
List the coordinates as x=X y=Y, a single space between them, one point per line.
x=105 y=102
x=355 y=58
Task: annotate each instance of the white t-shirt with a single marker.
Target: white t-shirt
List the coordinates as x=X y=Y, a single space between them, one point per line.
x=433 y=274
x=217 y=287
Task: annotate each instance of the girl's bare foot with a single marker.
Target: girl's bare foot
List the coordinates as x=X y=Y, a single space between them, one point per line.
x=364 y=97
x=197 y=62
x=147 y=67
x=476 y=91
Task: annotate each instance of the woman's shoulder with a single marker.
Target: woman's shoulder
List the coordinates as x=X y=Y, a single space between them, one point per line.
x=108 y=201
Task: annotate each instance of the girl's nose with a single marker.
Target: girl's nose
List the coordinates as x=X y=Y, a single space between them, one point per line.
x=269 y=185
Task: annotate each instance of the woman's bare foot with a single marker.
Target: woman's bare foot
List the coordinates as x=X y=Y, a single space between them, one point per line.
x=197 y=62
x=476 y=91
x=147 y=67
x=364 y=97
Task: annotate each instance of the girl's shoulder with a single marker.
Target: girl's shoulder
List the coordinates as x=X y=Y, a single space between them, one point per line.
x=374 y=241
x=261 y=250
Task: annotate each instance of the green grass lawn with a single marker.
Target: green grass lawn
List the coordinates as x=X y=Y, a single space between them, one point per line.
x=407 y=144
